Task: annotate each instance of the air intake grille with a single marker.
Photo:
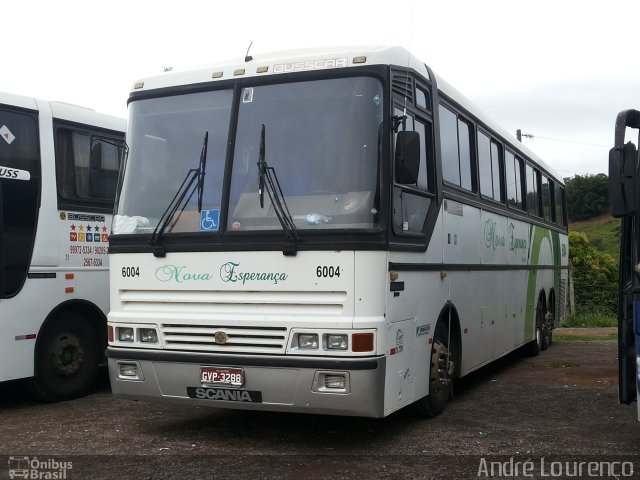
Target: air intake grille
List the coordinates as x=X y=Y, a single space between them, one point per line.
x=403 y=85
x=224 y=338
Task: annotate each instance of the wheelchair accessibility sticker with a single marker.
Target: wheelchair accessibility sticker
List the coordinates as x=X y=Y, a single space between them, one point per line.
x=210 y=220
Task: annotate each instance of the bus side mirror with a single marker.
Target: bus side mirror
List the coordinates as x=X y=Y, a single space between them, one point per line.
x=623 y=164
x=407 y=163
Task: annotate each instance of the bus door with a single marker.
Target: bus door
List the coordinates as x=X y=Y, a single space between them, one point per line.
x=19 y=196
x=624 y=204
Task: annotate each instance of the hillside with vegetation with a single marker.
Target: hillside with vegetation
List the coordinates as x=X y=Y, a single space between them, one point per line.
x=594 y=238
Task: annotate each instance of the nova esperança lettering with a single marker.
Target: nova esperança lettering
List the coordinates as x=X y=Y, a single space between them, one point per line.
x=167 y=273
x=229 y=273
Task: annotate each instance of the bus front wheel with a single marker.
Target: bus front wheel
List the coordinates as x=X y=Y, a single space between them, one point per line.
x=441 y=373
x=66 y=358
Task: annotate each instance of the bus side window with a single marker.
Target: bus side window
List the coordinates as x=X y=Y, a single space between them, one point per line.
x=455 y=139
x=489 y=167
x=559 y=205
x=513 y=173
x=533 y=192
x=547 y=186
x=87 y=165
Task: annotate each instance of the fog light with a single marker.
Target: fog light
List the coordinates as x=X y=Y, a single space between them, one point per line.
x=308 y=341
x=336 y=342
x=125 y=334
x=128 y=369
x=148 y=335
x=335 y=382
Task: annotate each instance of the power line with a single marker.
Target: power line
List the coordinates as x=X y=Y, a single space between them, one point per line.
x=532 y=137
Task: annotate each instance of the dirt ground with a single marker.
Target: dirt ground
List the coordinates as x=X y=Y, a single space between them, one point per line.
x=561 y=405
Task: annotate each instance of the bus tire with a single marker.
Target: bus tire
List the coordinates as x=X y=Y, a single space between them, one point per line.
x=441 y=372
x=534 y=347
x=66 y=358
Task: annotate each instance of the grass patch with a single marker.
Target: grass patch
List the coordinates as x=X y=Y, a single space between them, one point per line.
x=584 y=338
x=603 y=233
x=593 y=320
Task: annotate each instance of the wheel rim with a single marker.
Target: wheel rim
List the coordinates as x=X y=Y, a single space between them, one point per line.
x=67 y=355
x=442 y=366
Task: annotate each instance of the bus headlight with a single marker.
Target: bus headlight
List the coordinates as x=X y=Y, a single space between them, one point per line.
x=336 y=341
x=147 y=335
x=308 y=341
x=125 y=334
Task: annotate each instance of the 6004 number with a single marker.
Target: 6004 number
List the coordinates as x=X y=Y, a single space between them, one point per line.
x=130 y=272
x=327 y=272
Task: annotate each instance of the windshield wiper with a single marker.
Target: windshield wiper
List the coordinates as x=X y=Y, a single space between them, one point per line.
x=178 y=202
x=268 y=180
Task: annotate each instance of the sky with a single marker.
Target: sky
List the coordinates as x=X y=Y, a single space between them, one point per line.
x=559 y=70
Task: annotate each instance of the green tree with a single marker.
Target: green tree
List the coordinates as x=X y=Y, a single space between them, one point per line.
x=595 y=277
x=587 y=196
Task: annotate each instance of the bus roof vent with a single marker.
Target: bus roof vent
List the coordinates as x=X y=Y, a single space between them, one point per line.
x=403 y=85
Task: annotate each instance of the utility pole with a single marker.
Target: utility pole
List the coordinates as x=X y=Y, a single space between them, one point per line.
x=519 y=135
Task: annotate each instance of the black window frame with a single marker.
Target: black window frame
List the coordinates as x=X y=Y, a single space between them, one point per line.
x=62 y=161
x=473 y=170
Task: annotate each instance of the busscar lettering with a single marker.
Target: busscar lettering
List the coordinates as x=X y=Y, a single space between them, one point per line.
x=310 y=65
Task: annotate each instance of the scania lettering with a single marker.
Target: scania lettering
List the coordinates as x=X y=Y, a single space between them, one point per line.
x=373 y=237
x=58 y=172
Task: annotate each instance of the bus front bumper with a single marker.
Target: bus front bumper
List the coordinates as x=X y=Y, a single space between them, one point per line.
x=275 y=383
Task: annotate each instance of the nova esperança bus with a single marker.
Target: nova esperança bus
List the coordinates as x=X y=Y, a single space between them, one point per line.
x=59 y=166
x=332 y=231
x=624 y=203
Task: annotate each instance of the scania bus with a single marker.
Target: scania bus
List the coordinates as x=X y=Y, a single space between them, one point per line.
x=59 y=166
x=624 y=203
x=332 y=231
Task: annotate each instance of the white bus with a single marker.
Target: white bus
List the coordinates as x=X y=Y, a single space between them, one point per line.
x=329 y=231
x=58 y=174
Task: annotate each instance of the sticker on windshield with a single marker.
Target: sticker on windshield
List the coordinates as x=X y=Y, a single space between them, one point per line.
x=247 y=95
x=6 y=134
x=210 y=220
x=14 y=174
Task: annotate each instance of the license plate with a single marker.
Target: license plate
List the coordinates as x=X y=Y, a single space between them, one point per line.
x=222 y=376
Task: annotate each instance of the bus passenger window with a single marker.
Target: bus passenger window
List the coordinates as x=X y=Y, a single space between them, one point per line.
x=533 y=195
x=546 y=198
x=513 y=173
x=455 y=139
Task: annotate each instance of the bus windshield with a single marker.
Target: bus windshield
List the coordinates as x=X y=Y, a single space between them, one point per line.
x=322 y=142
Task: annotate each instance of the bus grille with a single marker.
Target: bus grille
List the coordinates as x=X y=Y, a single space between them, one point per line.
x=194 y=302
x=231 y=338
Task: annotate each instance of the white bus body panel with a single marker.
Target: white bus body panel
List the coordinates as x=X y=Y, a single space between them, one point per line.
x=53 y=256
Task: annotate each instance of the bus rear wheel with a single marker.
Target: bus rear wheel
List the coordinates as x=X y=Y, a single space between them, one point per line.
x=66 y=359
x=535 y=346
x=441 y=373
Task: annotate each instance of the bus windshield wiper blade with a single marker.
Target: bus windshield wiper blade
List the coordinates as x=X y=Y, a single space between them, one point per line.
x=268 y=180
x=181 y=199
x=202 y=168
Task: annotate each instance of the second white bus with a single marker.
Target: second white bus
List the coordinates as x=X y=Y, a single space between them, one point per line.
x=59 y=166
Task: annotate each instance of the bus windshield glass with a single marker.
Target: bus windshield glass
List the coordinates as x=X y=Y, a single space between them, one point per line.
x=322 y=144
x=165 y=142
